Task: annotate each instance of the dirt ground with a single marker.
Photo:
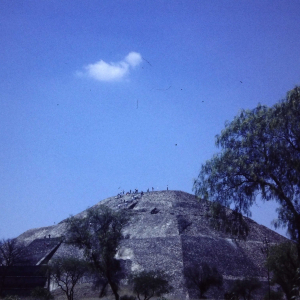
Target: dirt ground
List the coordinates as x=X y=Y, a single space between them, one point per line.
x=86 y=292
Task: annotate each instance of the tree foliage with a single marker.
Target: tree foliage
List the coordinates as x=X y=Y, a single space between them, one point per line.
x=12 y=252
x=66 y=273
x=245 y=288
x=227 y=221
x=99 y=234
x=283 y=263
x=201 y=278
x=148 y=284
x=260 y=154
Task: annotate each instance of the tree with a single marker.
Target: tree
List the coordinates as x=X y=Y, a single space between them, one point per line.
x=150 y=284
x=99 y=234
x=12 y=253
x=245 y=288
x=283 y=263
x=202 y=278
x=66 y=273
x=260 y=154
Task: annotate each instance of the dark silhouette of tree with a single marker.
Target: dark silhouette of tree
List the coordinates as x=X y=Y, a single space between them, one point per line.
x=283 y=263
x=12 y=253
x=260 y=154
x=99 y=234
x=66 y=273
x=245 y=288
x=202 y=277
x=148 y=284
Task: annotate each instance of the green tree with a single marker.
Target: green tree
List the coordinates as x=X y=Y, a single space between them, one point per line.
x=245 y=288
x=283 y=262
x=66 y=273
x=201 y=278
x=99 y=234
x=260 y=154
x=148 y=284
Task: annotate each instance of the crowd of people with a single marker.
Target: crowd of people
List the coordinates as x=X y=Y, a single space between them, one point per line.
x=123 y=203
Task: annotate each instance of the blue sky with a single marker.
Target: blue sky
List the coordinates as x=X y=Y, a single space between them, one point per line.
x=95 y=95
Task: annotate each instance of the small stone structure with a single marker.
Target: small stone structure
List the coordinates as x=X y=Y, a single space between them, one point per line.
x=33 y=271
x=20 y=280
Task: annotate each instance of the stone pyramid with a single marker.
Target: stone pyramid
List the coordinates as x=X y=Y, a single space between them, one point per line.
x=170 y=230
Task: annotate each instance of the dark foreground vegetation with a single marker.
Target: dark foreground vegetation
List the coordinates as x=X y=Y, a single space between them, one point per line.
x=260 y=155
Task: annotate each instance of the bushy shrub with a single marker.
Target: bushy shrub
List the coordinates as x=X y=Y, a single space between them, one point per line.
x=150 y=284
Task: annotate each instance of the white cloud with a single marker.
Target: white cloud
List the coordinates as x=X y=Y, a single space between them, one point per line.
x=133 y=58
x=103 y=71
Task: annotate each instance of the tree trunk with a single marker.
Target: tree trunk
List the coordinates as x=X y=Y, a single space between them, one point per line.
x=298 y=240
x=114 y=289
x=103 y=290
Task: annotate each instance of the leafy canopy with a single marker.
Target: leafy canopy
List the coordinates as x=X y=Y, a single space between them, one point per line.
x=260 y=154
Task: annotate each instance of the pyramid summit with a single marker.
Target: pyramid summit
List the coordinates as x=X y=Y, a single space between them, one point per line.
x=170 y=230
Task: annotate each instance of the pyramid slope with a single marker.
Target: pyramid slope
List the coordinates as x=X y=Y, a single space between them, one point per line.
x=170 y=230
